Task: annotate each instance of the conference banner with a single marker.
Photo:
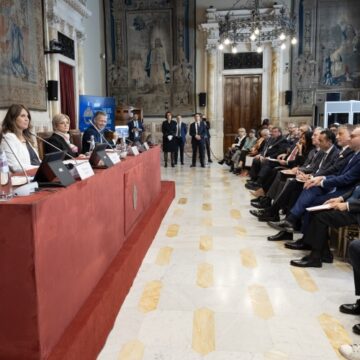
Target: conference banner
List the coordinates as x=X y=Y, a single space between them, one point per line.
x=89 y=105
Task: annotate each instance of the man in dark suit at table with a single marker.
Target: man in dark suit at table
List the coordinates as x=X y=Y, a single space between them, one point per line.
x=135 y=129
x=181 y=131
x=95 y=132
x=197 y=132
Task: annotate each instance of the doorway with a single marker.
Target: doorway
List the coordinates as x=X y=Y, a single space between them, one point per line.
x=67 y=93
x=242 y=105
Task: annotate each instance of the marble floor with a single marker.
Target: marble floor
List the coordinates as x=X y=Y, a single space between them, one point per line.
x=212 y=287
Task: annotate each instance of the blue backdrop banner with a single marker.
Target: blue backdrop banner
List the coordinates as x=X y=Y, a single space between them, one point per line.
x=89 y=105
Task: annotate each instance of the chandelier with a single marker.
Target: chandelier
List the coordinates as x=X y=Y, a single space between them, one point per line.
x=257 y=26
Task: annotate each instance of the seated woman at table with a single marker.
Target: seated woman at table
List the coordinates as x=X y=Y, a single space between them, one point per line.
x=17 y=140
x=61 y=138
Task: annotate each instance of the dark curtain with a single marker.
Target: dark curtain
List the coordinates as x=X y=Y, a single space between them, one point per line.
x=67 y=95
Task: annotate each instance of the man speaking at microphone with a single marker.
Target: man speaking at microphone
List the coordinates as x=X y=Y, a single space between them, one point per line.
x=96 y=129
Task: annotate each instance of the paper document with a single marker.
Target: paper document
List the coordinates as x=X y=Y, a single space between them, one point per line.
x=319 y=207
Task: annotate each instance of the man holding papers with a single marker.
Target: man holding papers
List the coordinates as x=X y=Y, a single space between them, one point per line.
x=345 y=210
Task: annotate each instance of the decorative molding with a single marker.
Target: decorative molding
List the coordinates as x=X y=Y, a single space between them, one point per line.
x=80 y=7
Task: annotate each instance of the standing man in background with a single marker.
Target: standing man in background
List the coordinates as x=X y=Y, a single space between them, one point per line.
x=207 y=138
x=135 y=129
x=197 y=132
x=181 y=130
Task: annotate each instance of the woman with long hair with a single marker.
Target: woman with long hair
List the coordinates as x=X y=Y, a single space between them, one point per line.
x=17 y=141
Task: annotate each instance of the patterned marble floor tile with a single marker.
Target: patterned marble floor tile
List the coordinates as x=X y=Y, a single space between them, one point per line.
x=258 y=306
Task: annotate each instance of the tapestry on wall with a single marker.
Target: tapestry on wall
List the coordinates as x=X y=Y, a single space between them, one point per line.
x=150 y=54
x=327 y=57
x=22 y=70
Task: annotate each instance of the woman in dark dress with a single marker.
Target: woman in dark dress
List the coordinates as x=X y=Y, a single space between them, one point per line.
x=61 y=138
x=169 y=143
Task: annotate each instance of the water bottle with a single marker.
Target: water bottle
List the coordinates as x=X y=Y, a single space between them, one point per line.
x=6 y=192
x=92 y=143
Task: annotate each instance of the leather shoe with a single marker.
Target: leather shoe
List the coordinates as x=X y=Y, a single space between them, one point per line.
x=356 y=329
x=210 y=161
x=352 y=309
x=256 y=200
x=282 y=225
x=306 y=262
x=252 y=186
x=281 y=235
x=192 y=165
x=221 y=162
x=297 y=245
x=256 y=213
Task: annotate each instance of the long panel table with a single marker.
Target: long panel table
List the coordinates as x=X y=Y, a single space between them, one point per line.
x=56 y=245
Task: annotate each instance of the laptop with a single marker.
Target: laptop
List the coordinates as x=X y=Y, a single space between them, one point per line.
x=99 y=154
x=52 y=167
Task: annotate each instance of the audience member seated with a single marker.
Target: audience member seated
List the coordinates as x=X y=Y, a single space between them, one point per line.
x=321 y=188
x=345 y=211
x=96 y=129
x=275 y=146
x=61 y=138
x=269 y=169
x=352 y=352
x=17 y=140
x=240 y=154
x=237 y=145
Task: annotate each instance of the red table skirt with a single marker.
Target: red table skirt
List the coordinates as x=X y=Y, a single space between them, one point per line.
x=55 y=247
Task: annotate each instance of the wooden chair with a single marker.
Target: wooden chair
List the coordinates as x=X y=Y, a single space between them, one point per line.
x=40 y=144
x=76 y=138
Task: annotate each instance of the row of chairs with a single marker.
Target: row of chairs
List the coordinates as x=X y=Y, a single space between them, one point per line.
x=75 y=138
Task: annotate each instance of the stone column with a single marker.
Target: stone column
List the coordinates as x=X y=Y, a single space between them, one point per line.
x=80 y=37
x=211 y=75
x=275 y=87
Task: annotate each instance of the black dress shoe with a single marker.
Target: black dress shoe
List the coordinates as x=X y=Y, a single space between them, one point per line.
x=356 y=329
x=307 y=262
x=202 y=166
x=256 y=213
x=192 y=165
x=182 y=163
x=256 y=200
x=282 y=225
x=353 y=309
x=210 y=161
x=282 y=235
x=297 y=245
x=221 y=162
x=165 y=165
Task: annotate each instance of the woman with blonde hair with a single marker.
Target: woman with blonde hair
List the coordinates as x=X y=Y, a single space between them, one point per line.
x=61 y=138
x=17 y=141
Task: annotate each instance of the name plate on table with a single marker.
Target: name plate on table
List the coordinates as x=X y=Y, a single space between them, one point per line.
x=114 y=157
x=84 y=170
x=135 y=150
x=146 y=146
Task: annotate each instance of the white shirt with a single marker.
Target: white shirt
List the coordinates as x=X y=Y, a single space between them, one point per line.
x=21 y=151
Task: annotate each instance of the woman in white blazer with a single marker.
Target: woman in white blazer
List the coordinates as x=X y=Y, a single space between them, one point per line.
x=16 y=139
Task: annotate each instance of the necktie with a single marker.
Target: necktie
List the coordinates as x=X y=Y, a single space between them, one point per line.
x=321 y=162
x=178 y=130
x=196 y=128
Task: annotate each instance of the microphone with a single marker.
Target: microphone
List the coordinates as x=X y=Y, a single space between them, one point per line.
x=53 y=146
x=17 y=159
x=102 y=135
